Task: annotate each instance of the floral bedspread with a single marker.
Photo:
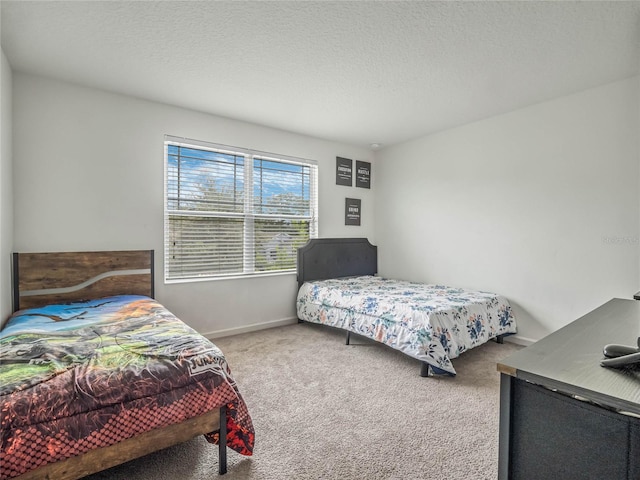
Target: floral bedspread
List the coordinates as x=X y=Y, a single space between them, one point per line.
x=433 y=323
x=85 y=375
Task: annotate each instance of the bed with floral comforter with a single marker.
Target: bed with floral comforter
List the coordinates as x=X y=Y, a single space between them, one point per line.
x=432 y=323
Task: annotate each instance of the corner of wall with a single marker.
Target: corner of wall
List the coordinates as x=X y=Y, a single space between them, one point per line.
x=6 y=185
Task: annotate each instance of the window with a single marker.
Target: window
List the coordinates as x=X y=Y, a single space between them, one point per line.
x=232 y=212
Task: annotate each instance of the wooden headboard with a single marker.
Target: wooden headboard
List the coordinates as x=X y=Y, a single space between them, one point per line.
x=58 y=277
x=323 y=258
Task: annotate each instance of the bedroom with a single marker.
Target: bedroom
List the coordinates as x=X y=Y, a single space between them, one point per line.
x=543 y=199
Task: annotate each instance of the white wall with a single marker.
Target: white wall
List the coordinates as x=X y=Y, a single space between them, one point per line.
x=6 y=190
x=540 y=204
x=89 y=172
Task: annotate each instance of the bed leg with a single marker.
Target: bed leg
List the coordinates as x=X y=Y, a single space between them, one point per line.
x=300 y=321
x=500 y=339
x=348 y=337
x=222 y=442
x=424 y=369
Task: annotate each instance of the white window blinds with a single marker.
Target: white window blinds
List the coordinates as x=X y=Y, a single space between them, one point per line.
x=231 y=211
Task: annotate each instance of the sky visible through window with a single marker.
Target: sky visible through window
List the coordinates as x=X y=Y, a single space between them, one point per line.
x=217 y=182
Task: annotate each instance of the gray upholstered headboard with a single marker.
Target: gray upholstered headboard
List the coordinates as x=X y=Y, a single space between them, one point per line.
x=323 y=258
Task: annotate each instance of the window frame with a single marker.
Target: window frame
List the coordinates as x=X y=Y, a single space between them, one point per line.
x=248 y=215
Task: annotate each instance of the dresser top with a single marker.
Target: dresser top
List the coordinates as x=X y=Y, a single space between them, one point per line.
x=569 y=359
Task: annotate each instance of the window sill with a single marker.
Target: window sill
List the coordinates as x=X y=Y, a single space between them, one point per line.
x=230 y=277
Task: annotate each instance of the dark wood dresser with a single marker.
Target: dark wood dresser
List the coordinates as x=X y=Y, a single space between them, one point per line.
x=562 y=415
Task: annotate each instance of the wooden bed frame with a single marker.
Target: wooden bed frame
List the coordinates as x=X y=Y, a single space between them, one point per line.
x=45 y=278
x=325 y=258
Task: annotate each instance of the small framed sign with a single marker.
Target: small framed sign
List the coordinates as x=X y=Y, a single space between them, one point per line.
x=344 y=171
x=363 y=174
x=352 y=211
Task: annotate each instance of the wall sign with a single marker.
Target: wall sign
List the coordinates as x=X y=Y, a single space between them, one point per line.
x=352 y=211
x=363 y=174
x=344 y=171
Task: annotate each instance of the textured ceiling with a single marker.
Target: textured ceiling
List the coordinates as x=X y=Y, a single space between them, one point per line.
x=355 y=72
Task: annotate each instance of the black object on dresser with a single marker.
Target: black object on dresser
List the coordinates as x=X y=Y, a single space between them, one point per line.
x=561 y=412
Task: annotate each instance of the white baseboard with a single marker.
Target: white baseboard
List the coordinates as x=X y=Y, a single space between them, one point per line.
x=227 y=332
x=518 y=340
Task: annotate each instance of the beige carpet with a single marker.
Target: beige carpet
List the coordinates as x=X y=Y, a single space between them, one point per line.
x=324 y=410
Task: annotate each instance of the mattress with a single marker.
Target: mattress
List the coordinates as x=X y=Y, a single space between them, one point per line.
x=432 y=323
x=85 y=375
